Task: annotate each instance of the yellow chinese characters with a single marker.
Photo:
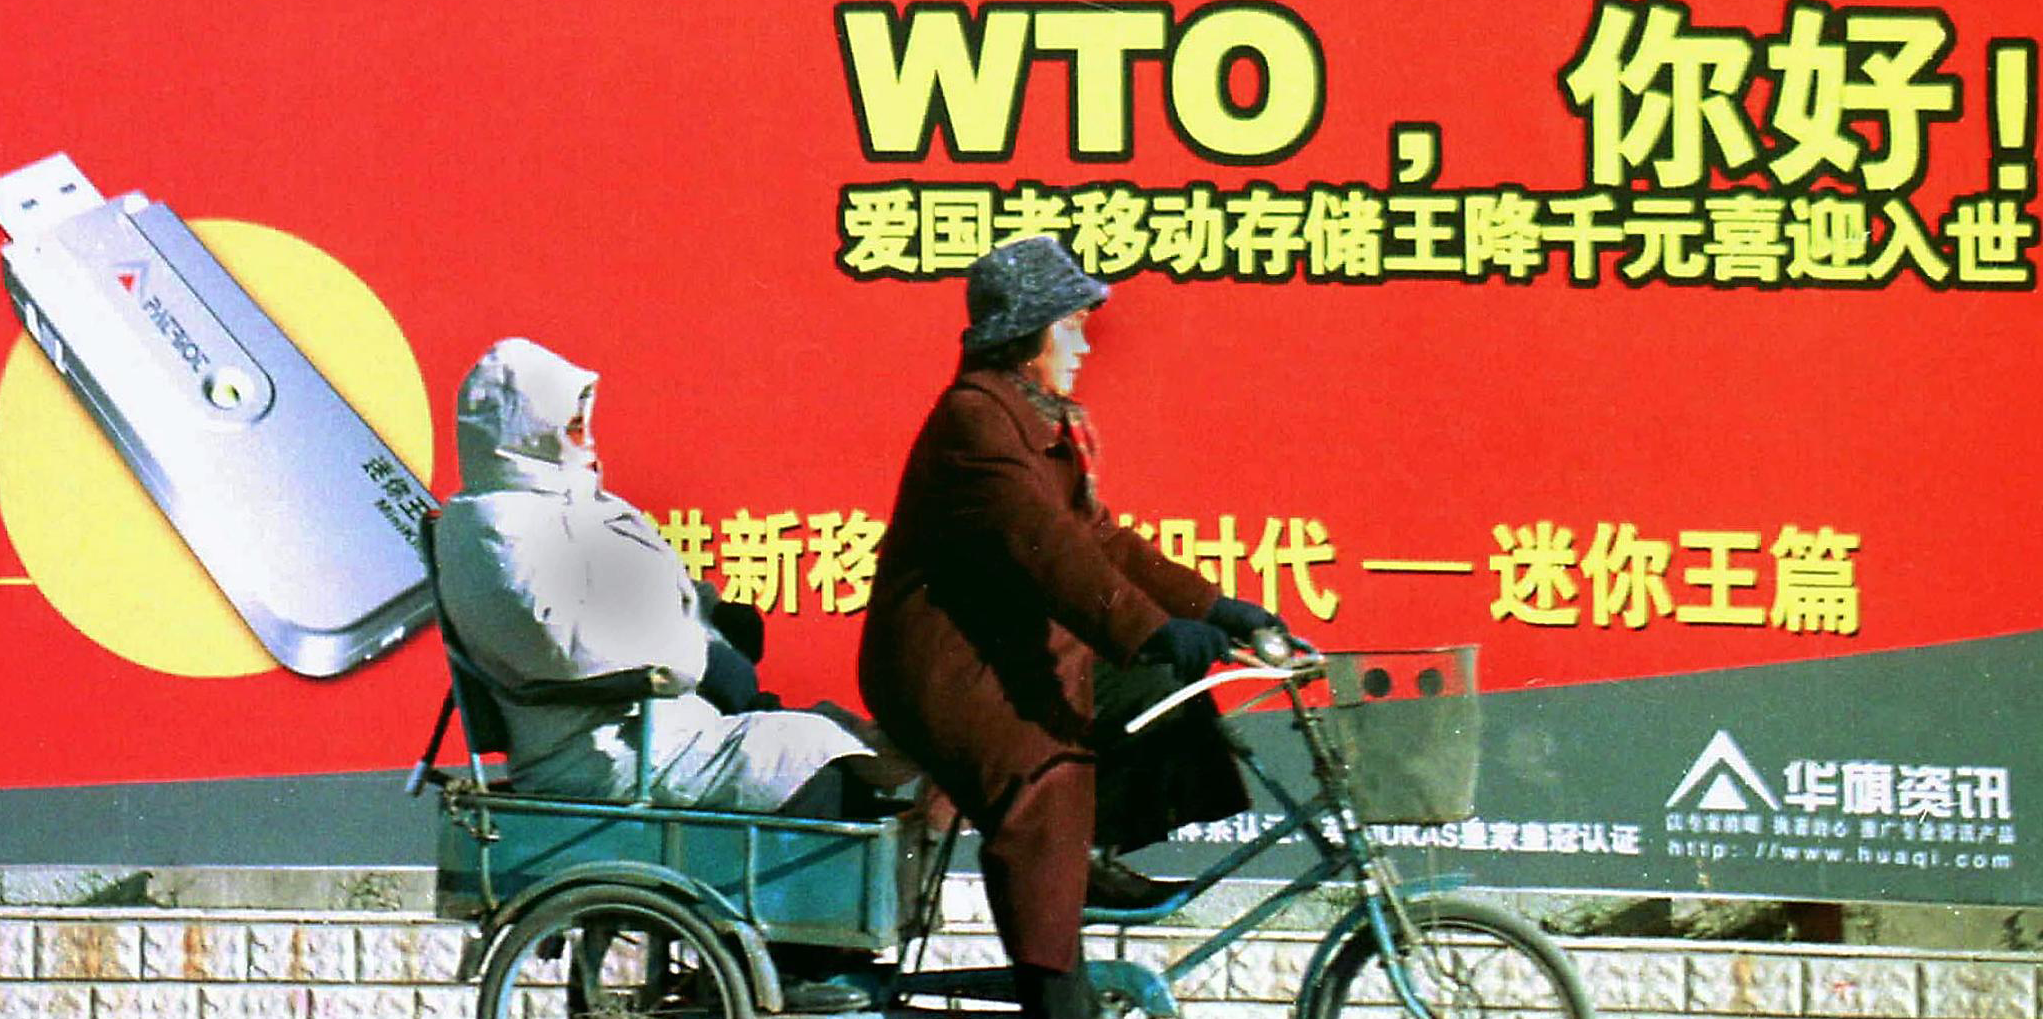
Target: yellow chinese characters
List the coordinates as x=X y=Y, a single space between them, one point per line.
x=1537 y=566
x=778 y=561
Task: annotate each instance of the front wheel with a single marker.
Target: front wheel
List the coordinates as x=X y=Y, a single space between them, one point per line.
x=1463 y=959
x=612 y=951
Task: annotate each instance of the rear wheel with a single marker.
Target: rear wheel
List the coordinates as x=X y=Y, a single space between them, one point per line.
x=612 y=951
x=1463 y=960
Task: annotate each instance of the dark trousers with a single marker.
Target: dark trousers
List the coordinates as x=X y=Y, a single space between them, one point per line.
x=1034 y=858
x=1178 y=770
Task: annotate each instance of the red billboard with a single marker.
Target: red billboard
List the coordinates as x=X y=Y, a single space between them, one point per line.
x=1623 y=339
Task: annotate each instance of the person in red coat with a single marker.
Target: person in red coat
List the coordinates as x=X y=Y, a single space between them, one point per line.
x=1002 y=582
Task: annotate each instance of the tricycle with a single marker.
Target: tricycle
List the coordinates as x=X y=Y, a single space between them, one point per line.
x=587 y=908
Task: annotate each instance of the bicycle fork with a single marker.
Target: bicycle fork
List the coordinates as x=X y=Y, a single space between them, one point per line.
x=1383 y=927
x=1375 y=870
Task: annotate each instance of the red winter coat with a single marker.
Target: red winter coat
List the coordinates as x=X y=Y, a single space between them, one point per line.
x=998 y=587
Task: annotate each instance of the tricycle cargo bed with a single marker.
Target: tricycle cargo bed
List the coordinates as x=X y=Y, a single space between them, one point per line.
x=794 y=879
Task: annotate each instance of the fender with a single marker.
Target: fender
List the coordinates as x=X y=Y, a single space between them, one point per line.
x=1138 y=985
x=1357 y=917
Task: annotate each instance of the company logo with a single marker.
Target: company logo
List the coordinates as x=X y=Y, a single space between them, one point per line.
x=130 y=276
x=1726 y=778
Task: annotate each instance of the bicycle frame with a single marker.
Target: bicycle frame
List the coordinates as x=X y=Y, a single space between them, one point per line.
x=1348 y=851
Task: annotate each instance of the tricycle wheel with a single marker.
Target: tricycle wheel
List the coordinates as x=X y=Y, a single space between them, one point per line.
x=1463 y=959
x=612 y=951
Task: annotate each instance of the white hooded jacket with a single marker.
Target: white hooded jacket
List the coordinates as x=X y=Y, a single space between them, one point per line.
x=547 y=576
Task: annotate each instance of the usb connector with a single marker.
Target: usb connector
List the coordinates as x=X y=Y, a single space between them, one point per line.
x=43 y=194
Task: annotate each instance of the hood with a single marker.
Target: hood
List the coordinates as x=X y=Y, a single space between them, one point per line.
x=511 y=421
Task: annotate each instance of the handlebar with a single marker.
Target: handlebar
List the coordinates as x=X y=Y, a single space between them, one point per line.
x=1269 y=655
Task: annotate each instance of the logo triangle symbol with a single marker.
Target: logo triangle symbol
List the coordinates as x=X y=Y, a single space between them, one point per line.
x=127 y=280
x=1724 y=795
x=1726 y=769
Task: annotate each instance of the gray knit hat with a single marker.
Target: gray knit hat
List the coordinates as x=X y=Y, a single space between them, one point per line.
x=1019 y=288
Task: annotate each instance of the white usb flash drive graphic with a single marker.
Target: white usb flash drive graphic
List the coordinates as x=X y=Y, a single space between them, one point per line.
x=304 y=517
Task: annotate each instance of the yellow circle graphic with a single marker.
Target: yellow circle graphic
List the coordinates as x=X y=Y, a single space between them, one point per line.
x=88 y=534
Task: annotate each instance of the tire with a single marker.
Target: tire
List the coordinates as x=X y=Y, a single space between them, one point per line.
x=1484 y=961
x=584 y=952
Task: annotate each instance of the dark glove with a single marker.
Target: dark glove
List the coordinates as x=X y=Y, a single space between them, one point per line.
x=1242 y=618
x=728 y=680
x=1188 y=646
x=742 y=625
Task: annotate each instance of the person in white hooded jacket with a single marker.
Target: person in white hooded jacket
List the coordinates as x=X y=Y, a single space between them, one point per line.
x=547 y=576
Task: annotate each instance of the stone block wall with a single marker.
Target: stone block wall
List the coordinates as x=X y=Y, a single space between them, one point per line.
x=397 y=962
x=70 y=963
x=249 y=964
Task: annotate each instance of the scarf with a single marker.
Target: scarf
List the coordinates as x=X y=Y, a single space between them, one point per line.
x=1074 y=426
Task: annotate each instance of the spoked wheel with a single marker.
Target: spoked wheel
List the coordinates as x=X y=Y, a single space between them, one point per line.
x=614 y=952
x=1465 y=960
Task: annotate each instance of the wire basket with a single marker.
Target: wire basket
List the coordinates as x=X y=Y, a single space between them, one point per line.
x=1409 y=725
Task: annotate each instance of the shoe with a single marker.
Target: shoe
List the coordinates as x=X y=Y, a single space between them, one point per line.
x=817 y=996
x=1111 y=884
